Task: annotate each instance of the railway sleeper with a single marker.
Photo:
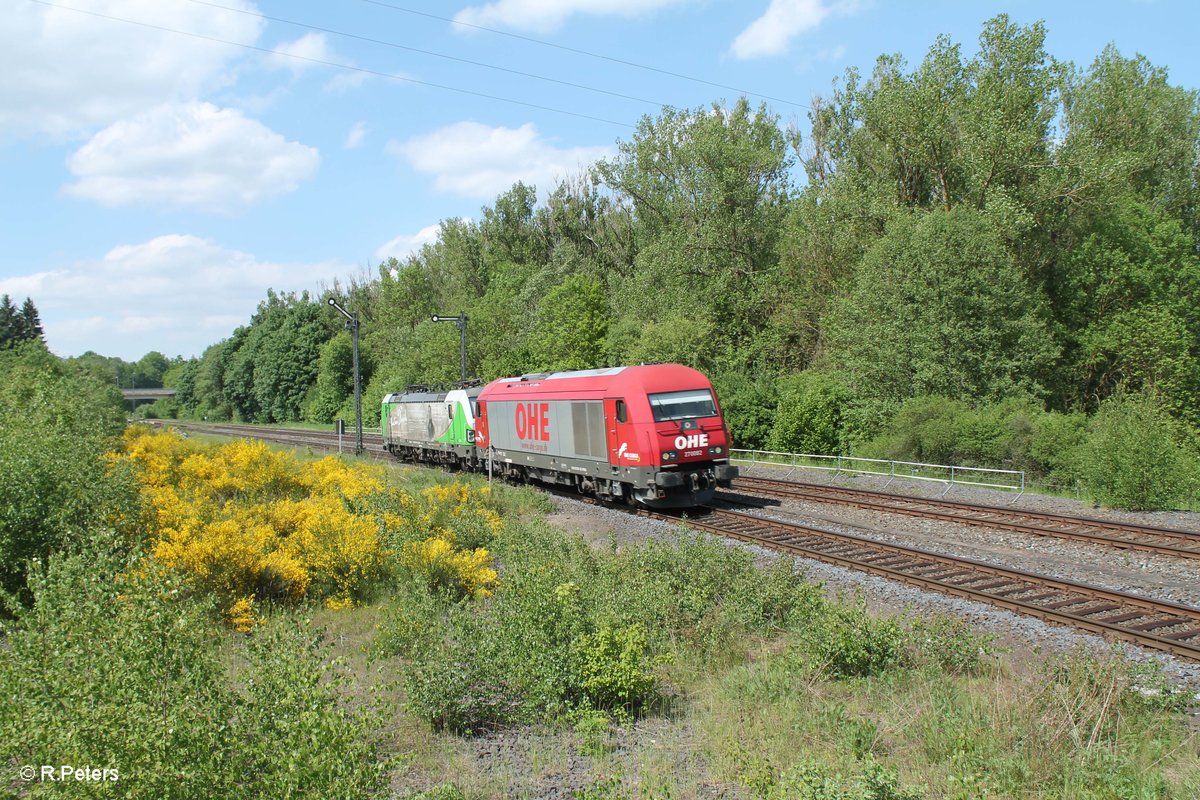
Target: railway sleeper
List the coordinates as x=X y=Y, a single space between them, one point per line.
x=1178 y=635
x=1128 y=615
x=1101 y=609
x=1156 y=624
x=1070 y=601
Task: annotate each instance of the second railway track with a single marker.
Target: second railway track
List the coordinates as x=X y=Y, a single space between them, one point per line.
x=1160 y=625
x=1163 y=541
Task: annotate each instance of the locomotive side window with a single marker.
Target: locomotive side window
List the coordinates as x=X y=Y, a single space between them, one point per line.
x=690 y=404
x=622 y=414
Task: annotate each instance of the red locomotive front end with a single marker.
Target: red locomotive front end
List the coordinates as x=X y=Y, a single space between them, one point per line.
x=649 y=434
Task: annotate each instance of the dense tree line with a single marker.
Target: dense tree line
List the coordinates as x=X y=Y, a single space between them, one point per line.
x=18 y=325
x=1005 y=234
x=148 y=372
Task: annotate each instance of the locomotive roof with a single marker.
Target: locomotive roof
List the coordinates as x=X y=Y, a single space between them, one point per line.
x=423 y=396
x=646 y=378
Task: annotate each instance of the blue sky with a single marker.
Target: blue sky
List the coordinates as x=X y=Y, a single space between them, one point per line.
x=156 y=178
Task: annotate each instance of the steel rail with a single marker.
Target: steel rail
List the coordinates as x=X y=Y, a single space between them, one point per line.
x=315 y=438
x=1123 y=535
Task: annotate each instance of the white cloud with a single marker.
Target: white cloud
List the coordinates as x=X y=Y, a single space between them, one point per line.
x=175 y=293
x=475 y=160
x=344 y=80
x=302 y=54
x=355 y=137
x=63 y=72
x=191 y=155
x=407 y=244
x=549 y=15
x=784 y=20
x=313 y=50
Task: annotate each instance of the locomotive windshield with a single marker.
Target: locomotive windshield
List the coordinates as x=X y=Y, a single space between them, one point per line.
x=682 y=405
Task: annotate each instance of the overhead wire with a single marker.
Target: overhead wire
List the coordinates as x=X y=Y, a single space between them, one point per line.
x=433 y=53
x=338 y=65
x=588 y=53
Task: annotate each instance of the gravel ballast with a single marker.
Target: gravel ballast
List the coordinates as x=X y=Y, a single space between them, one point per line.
x=1133 y=571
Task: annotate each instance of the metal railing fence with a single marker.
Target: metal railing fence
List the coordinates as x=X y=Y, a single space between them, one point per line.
x=950 y=475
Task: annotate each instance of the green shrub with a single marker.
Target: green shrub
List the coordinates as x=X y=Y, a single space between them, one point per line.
x=411 y=622
x=949 y=643
x=810 y=416
x=816 y=782
x=162 y=408
x=506 y=661
x=570 y=629
x=592 y=728
x=56 y=424
x=112 y=668
x=699 y=590
x=1133 y=457
x=941 y=430
x=923 y=429
x=612 y=668
x=1054 y=450
x=455 y=689
x=297 y=735
x=747 y=405
x=845 y=641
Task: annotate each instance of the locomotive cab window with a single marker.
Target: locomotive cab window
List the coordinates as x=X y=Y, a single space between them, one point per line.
x=690 y=404
x=622 y=414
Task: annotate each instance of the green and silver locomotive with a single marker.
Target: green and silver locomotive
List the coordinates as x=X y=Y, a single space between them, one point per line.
x=431 y=424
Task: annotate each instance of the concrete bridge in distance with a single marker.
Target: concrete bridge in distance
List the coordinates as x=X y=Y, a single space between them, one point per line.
x=146 y=395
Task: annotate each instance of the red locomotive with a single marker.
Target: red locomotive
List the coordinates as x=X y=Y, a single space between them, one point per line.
x=648 y=434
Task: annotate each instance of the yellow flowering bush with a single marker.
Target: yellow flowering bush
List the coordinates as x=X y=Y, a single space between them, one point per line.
x=459 y=573
x=251 y=524
x=442 y=535
x=241 y=615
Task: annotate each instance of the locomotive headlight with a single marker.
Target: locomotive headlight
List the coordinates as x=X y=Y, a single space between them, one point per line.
x=714 y=451
x=670 y=455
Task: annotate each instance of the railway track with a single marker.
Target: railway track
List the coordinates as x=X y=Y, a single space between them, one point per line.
x=1155 y=624
x=1159 y=625
x=326 y=441
x=1164 y=541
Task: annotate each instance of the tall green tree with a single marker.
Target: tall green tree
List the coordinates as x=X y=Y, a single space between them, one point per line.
x=571 y=326
x=31 y=322
x=9 y=324
x=149 y=370
x=708 y=188
x=939 y=306
x=18 y=325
